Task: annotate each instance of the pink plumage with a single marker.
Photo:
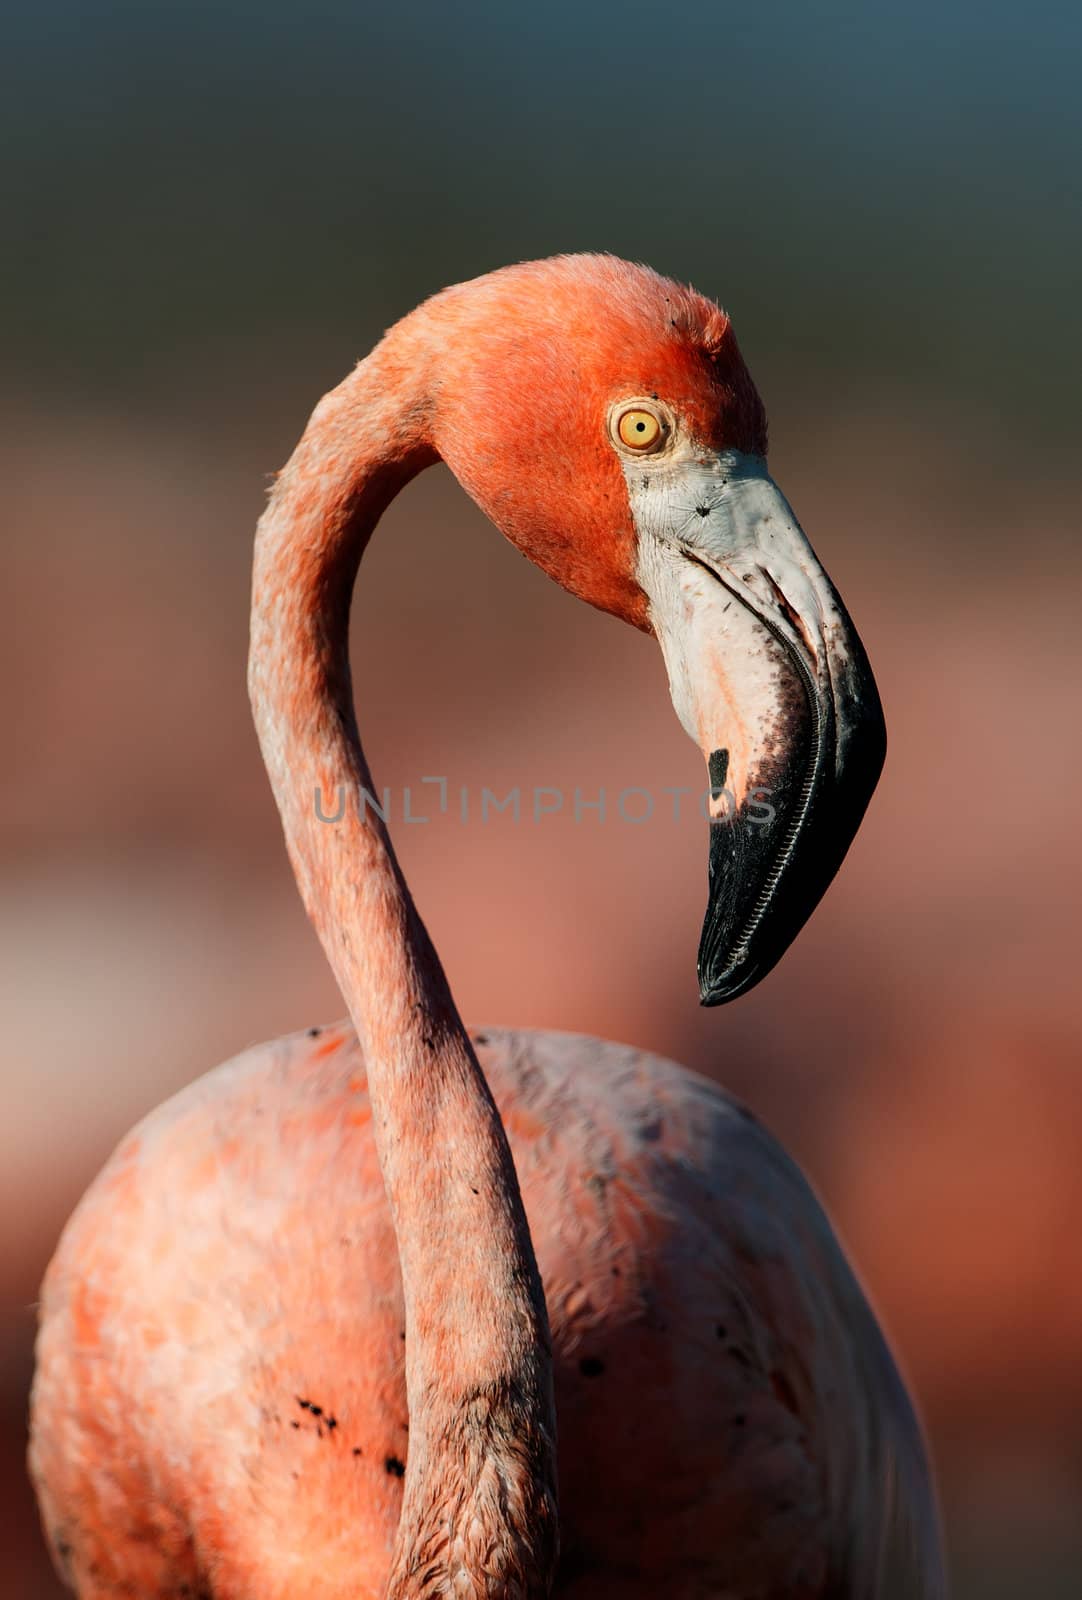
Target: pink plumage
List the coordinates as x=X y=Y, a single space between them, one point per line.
x=316 y=1327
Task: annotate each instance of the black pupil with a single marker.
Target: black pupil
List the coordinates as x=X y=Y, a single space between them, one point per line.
x=640 y=427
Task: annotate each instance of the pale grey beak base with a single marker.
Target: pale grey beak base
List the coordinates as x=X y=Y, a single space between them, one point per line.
x=770 y=678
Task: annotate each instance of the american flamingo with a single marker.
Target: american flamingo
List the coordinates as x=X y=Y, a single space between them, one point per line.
x=294 y=1340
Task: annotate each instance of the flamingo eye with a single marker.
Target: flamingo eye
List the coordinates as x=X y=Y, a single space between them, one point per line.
x=639 y=429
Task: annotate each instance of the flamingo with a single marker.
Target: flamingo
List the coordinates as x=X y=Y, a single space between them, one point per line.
x=311 y=1330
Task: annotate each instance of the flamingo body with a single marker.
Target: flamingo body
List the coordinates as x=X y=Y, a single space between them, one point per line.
x=220 y=1406
x=329 y=1320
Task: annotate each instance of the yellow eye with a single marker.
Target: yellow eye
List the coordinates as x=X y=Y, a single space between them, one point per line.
x=638 y=429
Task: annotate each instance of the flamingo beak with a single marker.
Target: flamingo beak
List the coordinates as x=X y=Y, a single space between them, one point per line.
x=769 y=677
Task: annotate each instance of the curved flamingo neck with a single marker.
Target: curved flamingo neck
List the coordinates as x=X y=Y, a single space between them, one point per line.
x=479 y=1506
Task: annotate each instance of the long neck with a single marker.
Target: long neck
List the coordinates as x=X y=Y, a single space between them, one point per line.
x=479 y=1509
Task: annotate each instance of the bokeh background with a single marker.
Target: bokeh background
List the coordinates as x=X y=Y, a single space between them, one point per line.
x=210 y=212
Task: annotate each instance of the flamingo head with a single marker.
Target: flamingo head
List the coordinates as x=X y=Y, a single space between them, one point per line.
x=604 y=419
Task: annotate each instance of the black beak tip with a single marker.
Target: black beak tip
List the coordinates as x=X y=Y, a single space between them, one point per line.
x=717 y=989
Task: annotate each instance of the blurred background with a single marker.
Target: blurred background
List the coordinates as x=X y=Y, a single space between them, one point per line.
x=209 y=213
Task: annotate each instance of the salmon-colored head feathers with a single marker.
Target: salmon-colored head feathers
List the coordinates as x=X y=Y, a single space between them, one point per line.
x=525 y=366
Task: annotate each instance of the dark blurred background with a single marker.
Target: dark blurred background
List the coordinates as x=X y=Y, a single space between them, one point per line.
x=209 y=213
